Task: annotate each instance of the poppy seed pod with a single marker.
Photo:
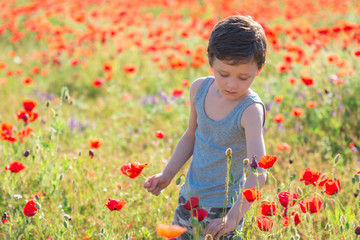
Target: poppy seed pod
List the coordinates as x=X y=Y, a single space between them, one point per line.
x=357 y=230
x=26 y=153
x=91 y=153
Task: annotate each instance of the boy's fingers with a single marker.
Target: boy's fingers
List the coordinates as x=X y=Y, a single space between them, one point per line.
x=148 y=182
x=153 y=185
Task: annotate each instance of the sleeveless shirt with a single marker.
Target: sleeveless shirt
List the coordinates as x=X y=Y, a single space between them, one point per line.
x=206 y=176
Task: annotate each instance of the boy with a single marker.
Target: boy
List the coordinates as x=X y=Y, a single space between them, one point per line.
x=225 y=113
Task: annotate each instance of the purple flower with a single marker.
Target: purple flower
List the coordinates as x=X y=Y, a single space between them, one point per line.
x=271 y=104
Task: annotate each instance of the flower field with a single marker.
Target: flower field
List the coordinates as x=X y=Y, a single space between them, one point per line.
x=94 y=96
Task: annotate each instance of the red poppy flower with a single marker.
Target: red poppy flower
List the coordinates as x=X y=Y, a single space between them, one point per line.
x=283 y=147
x=311 y=204
x=98 y=82
x=159 y=134
x=74 y=62
x=95 y=142
x=297 y=112
x=279 y=118
x=29 y=104
x=308 y=81
x=264 y=223
x=295 y=216
x=3 y=81
x=134 y=169
x=286 y=198
x=357 y=53
x=267 y=209
x=278 y=99
x=251 y=194
x=107 y=67
x=267 y=161
x=321 y=182
x=331 y=186
x=35 y=70
x=27 y=131
x=292 y=81
x=192 y=203
x=27 y=80
x=128 y=226
x=27 y=116
x=185 y=83
x=3 y=65
x=4 y=218
x=30 y=208
x=311 y=104
x=199 y=214
x=6 y=131
x=129 y=68
x=115 y=204
x=310 y=176
x=169 y=231
x=176 y=92
x=15 y=167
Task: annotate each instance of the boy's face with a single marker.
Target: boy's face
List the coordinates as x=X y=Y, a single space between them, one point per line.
x=234 y=81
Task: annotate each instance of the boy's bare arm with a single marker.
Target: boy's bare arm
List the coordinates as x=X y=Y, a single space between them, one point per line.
x=183 y=151
x=252 y=122
x=184 y=148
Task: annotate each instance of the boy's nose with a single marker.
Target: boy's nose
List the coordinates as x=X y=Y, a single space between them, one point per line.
x=231 y=83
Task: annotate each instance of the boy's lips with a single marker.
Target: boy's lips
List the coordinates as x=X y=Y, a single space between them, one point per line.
x=229 y=92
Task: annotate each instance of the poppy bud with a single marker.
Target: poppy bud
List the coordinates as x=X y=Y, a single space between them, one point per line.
x=253 y=163
x=337 y=158
x=299 y=190
x=246 y=161
x=91 y=153
x=356 y=194
x=26 y=153
x=326 y=91
x=323 y=176
x=67 y=217
x=291 y=161
x=342 y=219
x=178 y=181
x=66 y=224
x=47 y=104
x=38 y=205
x=228 y=152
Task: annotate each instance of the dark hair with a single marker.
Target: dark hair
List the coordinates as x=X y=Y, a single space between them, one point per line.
x=238 y=39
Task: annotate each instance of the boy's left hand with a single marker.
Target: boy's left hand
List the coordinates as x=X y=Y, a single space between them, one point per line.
x=218 y=227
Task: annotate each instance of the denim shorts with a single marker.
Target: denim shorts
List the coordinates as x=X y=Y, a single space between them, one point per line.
x=182 y=218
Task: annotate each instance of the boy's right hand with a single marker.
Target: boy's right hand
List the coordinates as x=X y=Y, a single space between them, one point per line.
x=155 y=184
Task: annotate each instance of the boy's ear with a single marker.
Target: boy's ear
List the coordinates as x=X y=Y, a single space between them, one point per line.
x=260 y=69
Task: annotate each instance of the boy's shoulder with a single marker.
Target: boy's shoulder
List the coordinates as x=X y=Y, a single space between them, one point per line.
x=195 y=85
x=197 y=82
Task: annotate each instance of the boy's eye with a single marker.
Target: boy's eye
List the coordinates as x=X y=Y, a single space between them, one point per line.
x=243 y=79
x=223 y=75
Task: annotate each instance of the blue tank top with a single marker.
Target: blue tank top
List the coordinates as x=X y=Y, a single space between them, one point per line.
x=206 y=176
